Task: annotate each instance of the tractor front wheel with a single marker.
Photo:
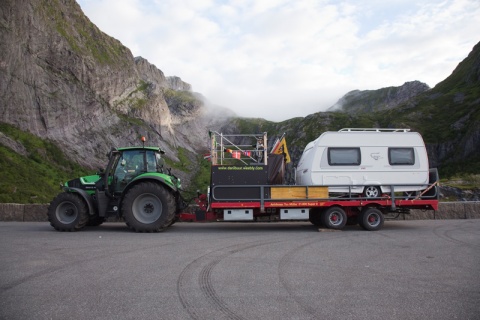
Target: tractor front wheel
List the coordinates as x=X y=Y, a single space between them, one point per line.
x=148 y=207
x=68 y=212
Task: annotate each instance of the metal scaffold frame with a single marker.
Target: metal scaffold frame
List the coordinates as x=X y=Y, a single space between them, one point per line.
x=220 y=144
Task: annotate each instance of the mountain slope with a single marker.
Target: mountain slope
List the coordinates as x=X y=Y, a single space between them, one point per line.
x=381 y=99
x=449 y=117
x=65 y=80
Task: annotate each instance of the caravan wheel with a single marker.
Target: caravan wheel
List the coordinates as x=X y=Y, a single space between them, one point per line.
x=372 y=192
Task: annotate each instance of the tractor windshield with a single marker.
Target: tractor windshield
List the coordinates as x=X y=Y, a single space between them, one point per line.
x=131 y=163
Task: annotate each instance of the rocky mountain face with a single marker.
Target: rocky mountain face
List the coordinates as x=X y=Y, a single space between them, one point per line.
x=63 y=79
x=382 y=99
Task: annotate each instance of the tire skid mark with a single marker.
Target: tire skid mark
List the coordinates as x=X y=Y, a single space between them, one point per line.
x=443 y=233
x=55 y=269
x=284 y=280
x=207 y=288
x=32 y=276
x=464 y=229
x=204 y=279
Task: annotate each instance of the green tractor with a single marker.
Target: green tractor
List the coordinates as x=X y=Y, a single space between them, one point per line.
x=135 y=185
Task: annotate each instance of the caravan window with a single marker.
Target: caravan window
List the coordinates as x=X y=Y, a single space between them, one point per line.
x=344 y=156
x=401 y=156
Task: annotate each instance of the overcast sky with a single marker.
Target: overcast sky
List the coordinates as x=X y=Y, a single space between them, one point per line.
x=279 y=59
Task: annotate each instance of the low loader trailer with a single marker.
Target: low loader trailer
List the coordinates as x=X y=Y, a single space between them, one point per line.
x=255 y=187
x=307 y=203
x=248 y=182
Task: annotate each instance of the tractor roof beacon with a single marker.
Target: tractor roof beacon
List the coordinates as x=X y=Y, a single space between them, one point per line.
x=135 y=185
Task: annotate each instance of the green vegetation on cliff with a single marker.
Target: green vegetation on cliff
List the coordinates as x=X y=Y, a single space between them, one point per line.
x=82 y=35
x=35 y=177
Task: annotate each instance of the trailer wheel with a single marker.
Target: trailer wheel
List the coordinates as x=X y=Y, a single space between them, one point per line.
x=68 y=212
x=371 y=219
x=148 y=207
x=372 y=192
x=334 y=218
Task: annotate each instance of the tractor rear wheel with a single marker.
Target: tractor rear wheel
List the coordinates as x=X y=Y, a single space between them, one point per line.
x=68 y=212
x=148 y=207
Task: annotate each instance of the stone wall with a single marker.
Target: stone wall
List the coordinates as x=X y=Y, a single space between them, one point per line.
x=23 y=212
x=446 y=210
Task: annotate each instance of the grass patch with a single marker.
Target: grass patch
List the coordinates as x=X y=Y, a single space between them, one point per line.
x=174 y=97
x=137 y=99
x=36 y=177
x=201 y=181
x=184 y=163
x=463 y=181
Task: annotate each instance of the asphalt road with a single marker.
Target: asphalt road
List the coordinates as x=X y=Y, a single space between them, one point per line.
x=408 y=270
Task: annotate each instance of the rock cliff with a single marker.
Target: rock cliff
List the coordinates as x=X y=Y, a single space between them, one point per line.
x=63 y=79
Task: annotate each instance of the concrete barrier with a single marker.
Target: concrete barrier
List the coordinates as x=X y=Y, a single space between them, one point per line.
x=446 y=210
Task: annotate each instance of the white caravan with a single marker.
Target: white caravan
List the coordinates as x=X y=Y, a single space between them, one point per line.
x=365 y=161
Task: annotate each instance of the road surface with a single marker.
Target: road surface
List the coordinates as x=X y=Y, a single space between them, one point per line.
x=408 y=270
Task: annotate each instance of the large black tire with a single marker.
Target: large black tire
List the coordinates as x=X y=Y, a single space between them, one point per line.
x=95 y=220
x=334 y=218
x=371 y=219
x=175 y=219
x=68 y=212
x=148 y=207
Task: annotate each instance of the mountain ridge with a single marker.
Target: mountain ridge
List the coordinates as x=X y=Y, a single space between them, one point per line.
x=380 y=99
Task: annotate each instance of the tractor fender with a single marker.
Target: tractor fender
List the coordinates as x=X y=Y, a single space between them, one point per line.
x=85 y=196
x=149 y=178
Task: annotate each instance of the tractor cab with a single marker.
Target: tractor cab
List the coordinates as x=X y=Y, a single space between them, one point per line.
x=128 y=163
